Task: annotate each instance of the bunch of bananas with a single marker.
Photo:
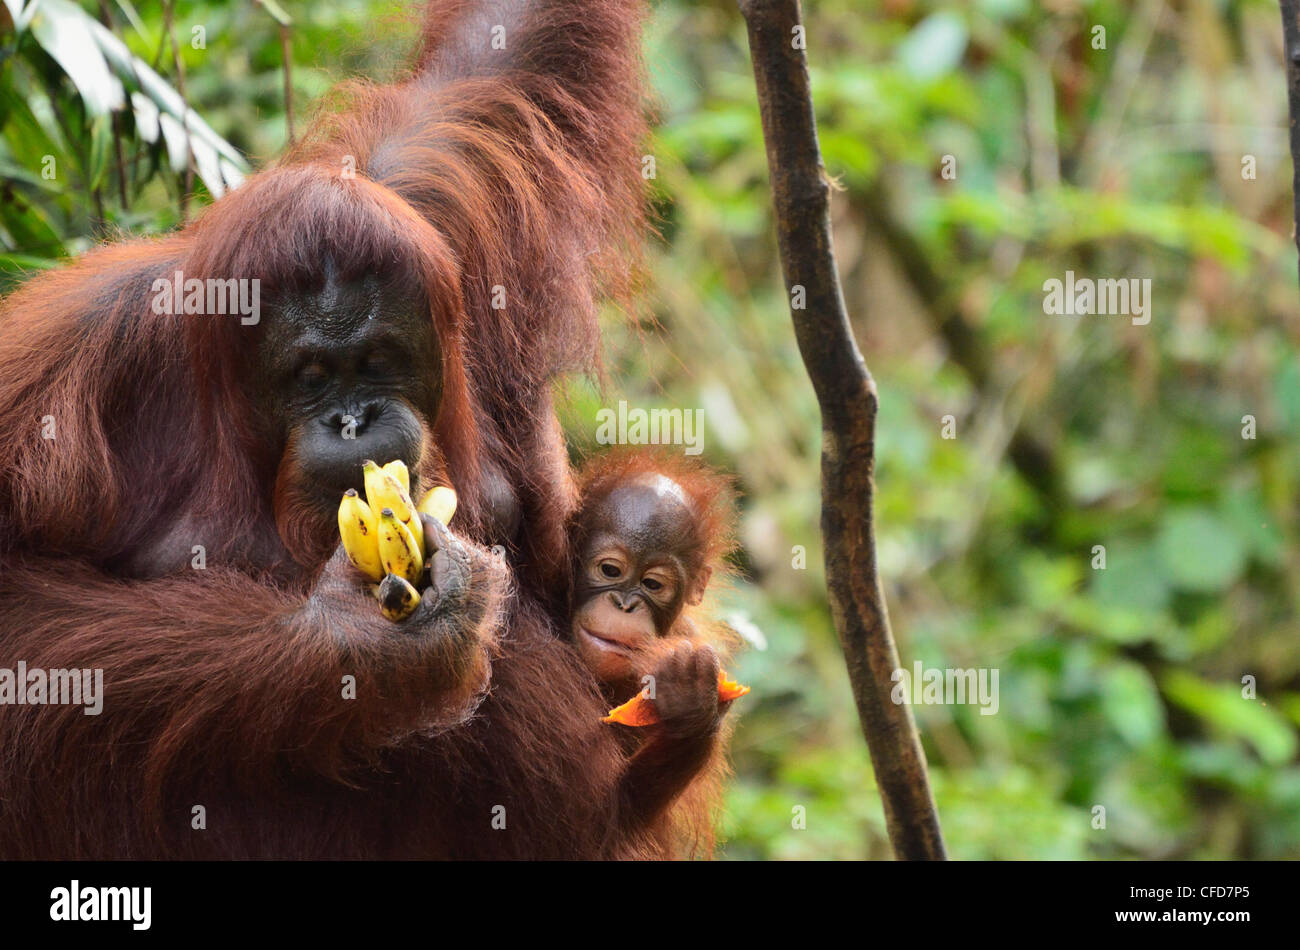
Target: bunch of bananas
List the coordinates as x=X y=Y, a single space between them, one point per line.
x=389 y=547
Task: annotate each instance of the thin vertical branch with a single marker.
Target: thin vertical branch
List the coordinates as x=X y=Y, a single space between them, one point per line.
x=278 y=14
x=100 y=225
x=846 y=395
x=1291 y=49
x=286 y=57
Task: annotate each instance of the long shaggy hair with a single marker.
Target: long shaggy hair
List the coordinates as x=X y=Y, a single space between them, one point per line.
x=502 y=188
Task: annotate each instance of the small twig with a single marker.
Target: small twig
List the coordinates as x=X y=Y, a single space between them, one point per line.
x=100 y=225
x=286 y=55
x=846 y=396
x=279 y=15
x=1040 y=112
x=1291 y=49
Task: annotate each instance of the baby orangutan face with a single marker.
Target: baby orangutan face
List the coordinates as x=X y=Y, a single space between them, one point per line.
x=638 y=567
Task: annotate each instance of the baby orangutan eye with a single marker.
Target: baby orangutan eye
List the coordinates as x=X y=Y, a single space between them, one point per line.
x=651 y=584
x=610 y=570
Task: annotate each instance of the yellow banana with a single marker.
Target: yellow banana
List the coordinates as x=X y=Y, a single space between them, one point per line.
x=440 y=503
x=385 y=491
x=397 y=598
x=398 y=551
x=359 y=531
x=397 y=468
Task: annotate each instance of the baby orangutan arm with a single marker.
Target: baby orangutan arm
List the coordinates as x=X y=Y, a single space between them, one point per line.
x=680 y=746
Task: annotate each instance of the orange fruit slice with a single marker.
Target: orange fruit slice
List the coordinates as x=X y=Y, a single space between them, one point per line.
x=637 y=711
x=640 y=711
x=729 y=689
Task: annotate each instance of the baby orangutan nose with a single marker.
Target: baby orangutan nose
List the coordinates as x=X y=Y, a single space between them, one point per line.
x=625 y=602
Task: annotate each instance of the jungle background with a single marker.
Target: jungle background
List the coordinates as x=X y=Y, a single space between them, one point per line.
x=1161 y=155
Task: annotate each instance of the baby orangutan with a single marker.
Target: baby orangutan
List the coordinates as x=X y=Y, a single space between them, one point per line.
x=648 y=535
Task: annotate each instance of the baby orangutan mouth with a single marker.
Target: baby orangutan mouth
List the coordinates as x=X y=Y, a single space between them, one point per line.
x=604 y=642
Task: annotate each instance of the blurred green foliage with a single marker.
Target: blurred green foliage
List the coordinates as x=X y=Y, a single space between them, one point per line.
x=1120 y=687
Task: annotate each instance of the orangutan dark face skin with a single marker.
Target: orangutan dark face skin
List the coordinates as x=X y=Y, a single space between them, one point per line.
x=638 y=567
x=351 y=372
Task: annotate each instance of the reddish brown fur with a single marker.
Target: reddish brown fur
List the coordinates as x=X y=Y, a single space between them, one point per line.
x=687 y=828
x=222 y=686
x=712 y=494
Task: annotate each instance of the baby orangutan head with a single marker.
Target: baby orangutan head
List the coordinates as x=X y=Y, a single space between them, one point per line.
x=641 y=559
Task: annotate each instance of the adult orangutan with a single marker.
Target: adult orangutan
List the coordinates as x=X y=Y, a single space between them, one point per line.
x=428 y=259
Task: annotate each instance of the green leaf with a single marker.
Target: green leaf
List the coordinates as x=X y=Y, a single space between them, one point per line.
x=1199 y=550
x=32 y=135
x=1132 y=578
x=21 y=17
x=277 y=12
x=1226 y=709
x=64 y=31
x=26 y=226
x=101 y=150
x=1131 y=704
x=129 y=11
x=184 y=129
x=1251 y=521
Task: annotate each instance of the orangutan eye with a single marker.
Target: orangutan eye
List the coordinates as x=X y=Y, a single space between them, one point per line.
x=313 y=376
x=660 y=585
x=610 y=570
x=376 y=365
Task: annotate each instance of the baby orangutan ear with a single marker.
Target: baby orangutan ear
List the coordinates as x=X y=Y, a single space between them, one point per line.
x=695 y=592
